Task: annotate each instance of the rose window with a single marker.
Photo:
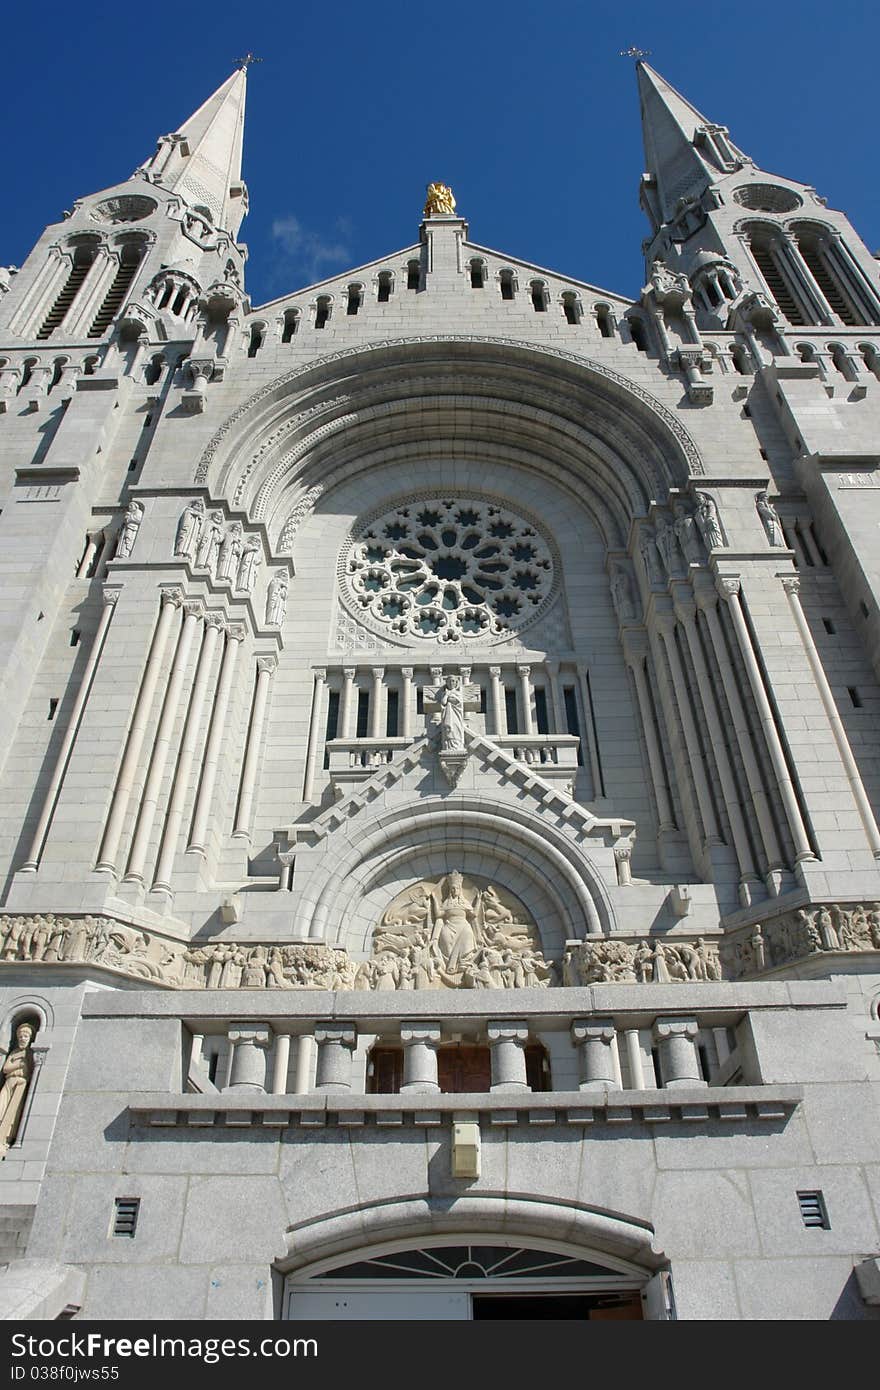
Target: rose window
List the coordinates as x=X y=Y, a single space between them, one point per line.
x=448 y=570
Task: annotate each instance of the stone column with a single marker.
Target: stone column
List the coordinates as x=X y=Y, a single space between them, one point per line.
x=729 y=589
x=679 y=1062
x=335 y=1046
x=686 y=608
x=559 y=720
x=88 y=555
x=634 y=1058
x=525 y=695
x=281 y=1064
x=508 y=1039
x=791 y=585
x=595 y=1039
x=499 y=714
x=635 y=653
x=378 y=677
x=666 y=626
x=265 y=668
x=250 y=1043
x=347 y=702
x=211 y=763
x=110 y=596
x=420 y=1043
x=172 y=599
x=194 y=612
x=191 y=728
x=314 y=732
x=406 y=699
x=708 y=601
x=588 y=732
x=302 y=1075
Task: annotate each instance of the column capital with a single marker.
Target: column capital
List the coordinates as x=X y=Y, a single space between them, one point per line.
x=428 y=1034
x=194 y=608
x=523 y=670
x=675 y=1028
x=791 y=584
x=508 y=1030
x=345 y=1035
x=377 y=673
x=406 y=672
x=728 y=586
x=592 y=1029
x=495 y=672
x=256 y=1034
x=320 y=674
x=267 y=664
x=110 y=595
x=215 y=619
x=171 y=593
x=236 y=632
x=349 y=672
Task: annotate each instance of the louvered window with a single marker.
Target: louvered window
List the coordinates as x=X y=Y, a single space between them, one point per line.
x=813 y=1212
x=125 y=1216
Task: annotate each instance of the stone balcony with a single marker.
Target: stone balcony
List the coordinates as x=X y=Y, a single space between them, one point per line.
x=553 y=757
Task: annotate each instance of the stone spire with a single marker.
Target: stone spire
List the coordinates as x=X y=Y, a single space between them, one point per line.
x=201 y=161
x=684 y=151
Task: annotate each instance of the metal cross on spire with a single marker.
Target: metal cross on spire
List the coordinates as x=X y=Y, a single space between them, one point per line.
x=634 y=52
x=246 y=61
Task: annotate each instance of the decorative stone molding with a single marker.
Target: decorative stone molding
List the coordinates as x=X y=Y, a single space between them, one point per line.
x=666 y=418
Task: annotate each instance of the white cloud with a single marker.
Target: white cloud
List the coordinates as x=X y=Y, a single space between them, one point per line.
x=307 y=252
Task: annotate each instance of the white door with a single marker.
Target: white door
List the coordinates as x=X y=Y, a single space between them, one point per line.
x=392 y=1305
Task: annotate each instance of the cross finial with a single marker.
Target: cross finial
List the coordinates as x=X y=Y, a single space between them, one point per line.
x=246 y=61
x=634 y=52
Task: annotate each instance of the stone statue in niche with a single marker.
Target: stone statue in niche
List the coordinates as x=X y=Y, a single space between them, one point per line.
x=770 y=517
x=667 y=546
x=621 y=594
x=249 y=564
x=230 y=552
x=16 y=1072
x=707 y=521
x=276 y=601
x=189 y=529
x=451 y=702
x=650 y=559
x=131 y=522
x=685 y=527
x=209 y=545
x=455 y=934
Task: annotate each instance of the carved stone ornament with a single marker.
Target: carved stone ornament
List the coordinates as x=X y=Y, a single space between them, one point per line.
x=647 y=961
x=455 y=933
x=128 y=530
x=707 y=521
x=16 y=1072
x=770 y=517
x=189 y=530
x=276 y=601
x=805 y=932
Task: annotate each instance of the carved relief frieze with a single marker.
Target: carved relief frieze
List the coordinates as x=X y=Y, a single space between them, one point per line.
x=644 y=961
x=795 y=936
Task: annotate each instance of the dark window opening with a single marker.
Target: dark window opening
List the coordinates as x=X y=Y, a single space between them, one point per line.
x=813 y=1210
x=603 y=318
x=507 y=287
x=385 y=1071
x=511 y=711
x=332 y=728
x=854 y=696
x=572 y=722
x=83 y=260
x=537 y=1067
x=363 y=714
x=256 y=339
x=354 y=299
x=53 y=705
x=539 y=297
x=384 y=291
x=413 y=275
x=829 y=626
x=541 y=715
x=74 y=636
x=482 y=699
x=392 y=714
x=420 y=700
x=571 y=308
x=213 y=1063
x=291 y=324
x=478 y=275
x=638 y=335
x=322 y=312
x=121 y=283
x=464 y=1069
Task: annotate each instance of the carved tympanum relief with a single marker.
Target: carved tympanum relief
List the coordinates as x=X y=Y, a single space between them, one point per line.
x=454 y=933
x=447 y=570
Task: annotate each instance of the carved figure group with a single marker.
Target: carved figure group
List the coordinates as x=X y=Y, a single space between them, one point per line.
x=644 y=962
x=204 y=540
x=804 y=932
x=454 y=935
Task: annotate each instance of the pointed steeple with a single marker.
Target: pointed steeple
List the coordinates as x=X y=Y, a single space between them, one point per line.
x=684 y=151
x=202 y=159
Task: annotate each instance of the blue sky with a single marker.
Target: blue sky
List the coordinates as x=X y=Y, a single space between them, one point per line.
x=526 y=110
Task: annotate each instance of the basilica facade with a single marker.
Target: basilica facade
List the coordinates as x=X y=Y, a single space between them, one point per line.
x=441 y=762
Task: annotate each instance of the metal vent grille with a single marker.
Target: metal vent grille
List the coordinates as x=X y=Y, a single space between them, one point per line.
x=125 y=1215
x=813 y=1213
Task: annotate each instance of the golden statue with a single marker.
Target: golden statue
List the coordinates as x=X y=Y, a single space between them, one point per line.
x=439 y=202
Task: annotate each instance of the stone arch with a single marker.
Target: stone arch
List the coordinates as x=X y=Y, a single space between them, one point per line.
x=610 y=434
x=504 y=831
x=570 y=1227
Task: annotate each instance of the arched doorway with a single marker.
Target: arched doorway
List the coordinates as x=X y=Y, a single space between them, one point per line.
x=487 y=1278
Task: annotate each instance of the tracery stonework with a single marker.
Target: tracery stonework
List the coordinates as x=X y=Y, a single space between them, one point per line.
x=447 y=569
x=455 y=933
